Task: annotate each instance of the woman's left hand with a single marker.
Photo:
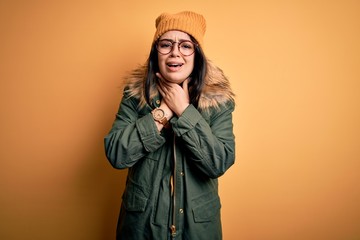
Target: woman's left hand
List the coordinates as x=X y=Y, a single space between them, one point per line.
x=175 y=96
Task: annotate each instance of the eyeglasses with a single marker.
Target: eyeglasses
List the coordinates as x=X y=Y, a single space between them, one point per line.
x=186 y=47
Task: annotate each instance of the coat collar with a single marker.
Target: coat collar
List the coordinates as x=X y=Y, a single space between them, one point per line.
x=216 y=90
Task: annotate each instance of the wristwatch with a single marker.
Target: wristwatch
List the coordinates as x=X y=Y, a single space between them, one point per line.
x=159 y=116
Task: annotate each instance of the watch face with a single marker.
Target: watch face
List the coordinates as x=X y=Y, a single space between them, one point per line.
x=158 y=114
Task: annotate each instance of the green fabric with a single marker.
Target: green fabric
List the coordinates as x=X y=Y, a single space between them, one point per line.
x=205 y=149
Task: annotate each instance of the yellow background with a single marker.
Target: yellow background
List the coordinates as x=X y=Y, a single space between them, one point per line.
x=295 y=69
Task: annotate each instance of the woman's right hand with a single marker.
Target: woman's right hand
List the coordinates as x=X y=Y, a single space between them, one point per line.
x=175 y=96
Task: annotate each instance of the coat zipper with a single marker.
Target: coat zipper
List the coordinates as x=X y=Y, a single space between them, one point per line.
x=173 y=225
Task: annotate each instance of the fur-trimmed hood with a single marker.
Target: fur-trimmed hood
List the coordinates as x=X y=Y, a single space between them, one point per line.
x=216 y=90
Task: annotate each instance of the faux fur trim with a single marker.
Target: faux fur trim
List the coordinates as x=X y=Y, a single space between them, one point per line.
x=216 y=91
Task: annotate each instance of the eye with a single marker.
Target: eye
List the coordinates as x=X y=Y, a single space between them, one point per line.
x=187 y=45
x=165 y=44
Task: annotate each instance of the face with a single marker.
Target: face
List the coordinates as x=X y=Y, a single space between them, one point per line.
x=174 y=66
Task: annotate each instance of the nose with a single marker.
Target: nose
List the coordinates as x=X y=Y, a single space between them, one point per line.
x=175 y=49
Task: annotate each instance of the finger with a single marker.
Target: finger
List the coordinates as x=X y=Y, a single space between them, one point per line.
x=185 y=86
x=161 y=86
x=159 y=76
x=160 y=89
x=164 y=84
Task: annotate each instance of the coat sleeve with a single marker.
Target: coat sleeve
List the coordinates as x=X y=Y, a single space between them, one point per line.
x=210 y=144
x=132 y=135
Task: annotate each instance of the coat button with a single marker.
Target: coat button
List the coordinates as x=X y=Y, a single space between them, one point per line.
x=158 y=102
x=181 y=210
x=182 y=173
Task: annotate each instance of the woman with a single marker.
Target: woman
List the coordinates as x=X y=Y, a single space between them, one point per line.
x=174 y=134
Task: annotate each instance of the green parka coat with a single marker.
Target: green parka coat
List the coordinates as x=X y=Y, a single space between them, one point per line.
x=172 y=188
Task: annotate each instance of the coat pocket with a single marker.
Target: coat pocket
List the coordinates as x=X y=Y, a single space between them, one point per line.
x=206 y=208
x=134 y=198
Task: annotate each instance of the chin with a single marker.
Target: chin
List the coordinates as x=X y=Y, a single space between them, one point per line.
x=178 y=81
x=175 y=79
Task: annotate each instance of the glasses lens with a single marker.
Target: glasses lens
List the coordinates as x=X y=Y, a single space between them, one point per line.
x=164 y=46
x=186 y=48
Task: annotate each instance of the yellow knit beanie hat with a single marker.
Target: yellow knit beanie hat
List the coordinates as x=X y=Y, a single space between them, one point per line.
x=189 y=22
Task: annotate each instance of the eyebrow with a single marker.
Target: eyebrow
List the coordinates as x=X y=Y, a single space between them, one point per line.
x=171 y=40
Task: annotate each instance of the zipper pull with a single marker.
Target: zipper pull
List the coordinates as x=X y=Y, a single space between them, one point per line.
x=173 y=230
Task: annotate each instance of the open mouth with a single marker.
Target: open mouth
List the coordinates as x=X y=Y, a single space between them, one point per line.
x=174 y=65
